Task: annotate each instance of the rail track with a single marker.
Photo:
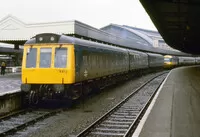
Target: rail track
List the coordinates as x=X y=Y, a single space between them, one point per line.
x=20 y=120
x=123 y=119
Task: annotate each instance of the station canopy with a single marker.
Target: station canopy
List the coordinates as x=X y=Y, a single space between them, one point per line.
x=15 y=31
x=177 y=21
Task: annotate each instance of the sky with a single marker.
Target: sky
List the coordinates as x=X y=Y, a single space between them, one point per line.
x=96 y=13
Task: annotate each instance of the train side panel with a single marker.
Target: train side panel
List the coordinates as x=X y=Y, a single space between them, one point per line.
x=155 y=60
x=96 y=62
x=197 y=60
x=186 y=60
x=138 y=60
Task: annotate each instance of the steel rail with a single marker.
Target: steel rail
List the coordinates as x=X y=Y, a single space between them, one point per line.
x=116 y=107
x=12 y=129
x=135 y=123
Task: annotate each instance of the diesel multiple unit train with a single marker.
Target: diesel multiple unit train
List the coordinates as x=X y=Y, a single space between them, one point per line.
x=59 y=66
x=174 y=61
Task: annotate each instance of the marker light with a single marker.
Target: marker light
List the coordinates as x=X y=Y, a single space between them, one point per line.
x=41 y=39
x=52 y=38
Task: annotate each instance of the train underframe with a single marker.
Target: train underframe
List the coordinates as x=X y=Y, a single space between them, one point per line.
x=37 y=92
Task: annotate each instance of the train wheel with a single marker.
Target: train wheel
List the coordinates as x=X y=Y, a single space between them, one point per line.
x=75 y=93
x=42 y=90
x=33 y=98
x=30 y=97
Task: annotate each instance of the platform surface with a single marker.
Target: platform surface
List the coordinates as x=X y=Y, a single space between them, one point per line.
x=10 y=83
x=176 y=112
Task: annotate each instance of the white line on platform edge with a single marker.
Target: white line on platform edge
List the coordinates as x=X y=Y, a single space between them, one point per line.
x=144 y=118
x=10 y=92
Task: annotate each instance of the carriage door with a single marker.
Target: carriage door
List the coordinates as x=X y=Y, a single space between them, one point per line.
x=77 y=63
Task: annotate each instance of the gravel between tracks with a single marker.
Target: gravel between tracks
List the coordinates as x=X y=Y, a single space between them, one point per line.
x=70 y=123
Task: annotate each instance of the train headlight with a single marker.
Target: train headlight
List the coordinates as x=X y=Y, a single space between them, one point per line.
x=40 y=38
x=59 y=87
x=25 y=87
x=52 y=38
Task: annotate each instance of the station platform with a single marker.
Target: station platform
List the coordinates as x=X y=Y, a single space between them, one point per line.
x=10 y=83
x=175 y=109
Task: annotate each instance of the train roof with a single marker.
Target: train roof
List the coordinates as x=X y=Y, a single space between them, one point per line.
x=168 y=56
x=62 y=39
x=153 y=54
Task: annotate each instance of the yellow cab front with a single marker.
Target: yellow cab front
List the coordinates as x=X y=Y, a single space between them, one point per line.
x=48 y=64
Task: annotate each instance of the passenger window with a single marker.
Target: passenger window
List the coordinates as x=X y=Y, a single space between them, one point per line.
x=31 y=57
x=45 y=57
x=60 y=60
